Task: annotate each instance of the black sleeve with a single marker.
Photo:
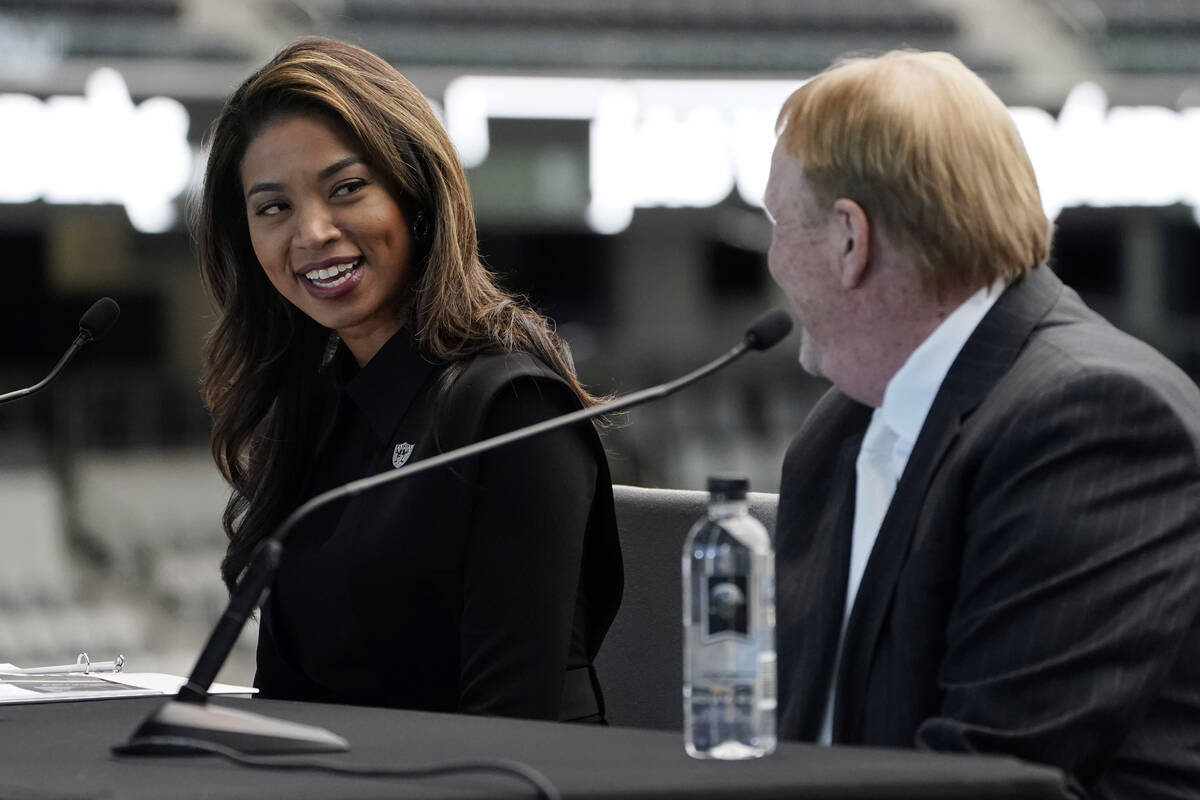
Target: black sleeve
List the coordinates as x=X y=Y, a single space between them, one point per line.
x=274 y=677
x=523 y=555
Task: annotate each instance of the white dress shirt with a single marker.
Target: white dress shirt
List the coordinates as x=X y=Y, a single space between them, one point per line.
x=889 y=441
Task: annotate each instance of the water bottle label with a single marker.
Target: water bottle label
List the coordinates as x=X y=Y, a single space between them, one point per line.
x=728 y=607
x=766 y=687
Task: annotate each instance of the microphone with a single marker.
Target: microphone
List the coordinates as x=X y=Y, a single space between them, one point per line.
x=94 y=323
x=188 y=717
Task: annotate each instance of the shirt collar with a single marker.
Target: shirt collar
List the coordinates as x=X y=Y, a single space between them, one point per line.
x=911 y=391
x=385 y=386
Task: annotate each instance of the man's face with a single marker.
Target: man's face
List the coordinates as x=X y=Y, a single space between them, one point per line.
x=801 y=255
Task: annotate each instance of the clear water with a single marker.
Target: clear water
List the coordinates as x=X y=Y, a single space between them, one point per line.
x=729 y=693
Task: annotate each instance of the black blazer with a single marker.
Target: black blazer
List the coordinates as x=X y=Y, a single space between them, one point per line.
x=1035 y=585
x=485 y=586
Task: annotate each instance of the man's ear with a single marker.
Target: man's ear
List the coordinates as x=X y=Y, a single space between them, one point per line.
x=851 y=230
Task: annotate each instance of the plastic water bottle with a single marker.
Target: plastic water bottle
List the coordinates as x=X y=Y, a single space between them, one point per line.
x=729 y=629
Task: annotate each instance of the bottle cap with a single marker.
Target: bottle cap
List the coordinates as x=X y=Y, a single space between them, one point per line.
x=728 y=487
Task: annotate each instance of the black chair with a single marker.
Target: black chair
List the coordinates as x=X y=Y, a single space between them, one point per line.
x=641 y=661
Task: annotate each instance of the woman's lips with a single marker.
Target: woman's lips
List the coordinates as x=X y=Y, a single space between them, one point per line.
x=334 y=286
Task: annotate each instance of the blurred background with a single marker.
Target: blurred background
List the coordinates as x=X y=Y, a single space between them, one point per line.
x=617 y=151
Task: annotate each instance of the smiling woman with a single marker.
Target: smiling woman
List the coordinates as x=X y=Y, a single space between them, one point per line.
x=328 y=233
x=358 y=330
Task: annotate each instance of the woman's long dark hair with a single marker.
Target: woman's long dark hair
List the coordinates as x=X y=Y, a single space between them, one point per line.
x=263 y=358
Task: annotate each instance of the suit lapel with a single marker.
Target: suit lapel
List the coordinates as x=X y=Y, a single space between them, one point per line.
x=822 y=598
x=813 y=550
x=985 y=357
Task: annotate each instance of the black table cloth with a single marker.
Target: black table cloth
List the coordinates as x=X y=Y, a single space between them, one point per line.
x=62 y=750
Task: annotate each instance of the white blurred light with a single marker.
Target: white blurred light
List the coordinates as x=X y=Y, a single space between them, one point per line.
x=97 y=148
x=471 y=100
x=689 y=143
x=672 y=143
x=1093 y=155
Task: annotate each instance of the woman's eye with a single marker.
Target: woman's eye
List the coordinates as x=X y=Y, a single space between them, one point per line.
x=348 y=188
x=270 y=209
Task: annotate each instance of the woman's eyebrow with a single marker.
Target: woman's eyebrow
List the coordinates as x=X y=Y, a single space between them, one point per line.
x=332 y=169
x=338 y=166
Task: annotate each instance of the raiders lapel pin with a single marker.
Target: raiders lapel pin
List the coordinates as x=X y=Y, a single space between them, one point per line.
x=401 y=454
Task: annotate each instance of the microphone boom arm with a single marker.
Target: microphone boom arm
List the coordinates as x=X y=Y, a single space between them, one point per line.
x=257 y=577
x=75 y=347
x=187 y=717
x=94 y=323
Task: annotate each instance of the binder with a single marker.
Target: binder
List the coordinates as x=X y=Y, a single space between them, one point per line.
x=91 y=680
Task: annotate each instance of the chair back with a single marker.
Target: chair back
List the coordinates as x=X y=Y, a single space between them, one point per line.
x=640 y=664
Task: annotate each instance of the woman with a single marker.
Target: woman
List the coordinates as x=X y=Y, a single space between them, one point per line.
x=358 y=331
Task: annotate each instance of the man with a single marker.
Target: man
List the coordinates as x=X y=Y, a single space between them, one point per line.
x=989 y=528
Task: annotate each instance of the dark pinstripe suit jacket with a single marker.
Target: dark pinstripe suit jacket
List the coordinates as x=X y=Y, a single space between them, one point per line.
x=1035 y=586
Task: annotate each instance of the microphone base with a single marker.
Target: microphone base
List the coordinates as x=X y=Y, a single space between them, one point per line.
x=176 y=727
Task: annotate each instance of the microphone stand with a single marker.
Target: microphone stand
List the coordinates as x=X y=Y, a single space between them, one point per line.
x=95 y=322
x=189 y=717
x=80 y=340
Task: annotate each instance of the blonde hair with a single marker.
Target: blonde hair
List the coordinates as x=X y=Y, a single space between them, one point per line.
x=932 y=155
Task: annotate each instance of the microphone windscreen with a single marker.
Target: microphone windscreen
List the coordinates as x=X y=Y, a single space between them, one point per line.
x=768 y=329
x=100 y=318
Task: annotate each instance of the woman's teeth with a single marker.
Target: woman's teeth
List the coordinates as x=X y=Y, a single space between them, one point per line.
x=331 y=276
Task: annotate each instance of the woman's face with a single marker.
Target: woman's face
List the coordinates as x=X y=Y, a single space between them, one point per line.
x=326 y=230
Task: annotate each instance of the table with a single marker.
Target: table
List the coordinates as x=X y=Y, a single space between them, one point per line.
x=61 y=751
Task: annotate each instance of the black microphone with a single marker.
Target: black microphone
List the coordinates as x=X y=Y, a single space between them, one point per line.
x=187 y=717
x=94 y=323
